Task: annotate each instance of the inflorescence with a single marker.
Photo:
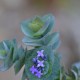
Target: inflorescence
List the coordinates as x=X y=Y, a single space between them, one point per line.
x=38 y=66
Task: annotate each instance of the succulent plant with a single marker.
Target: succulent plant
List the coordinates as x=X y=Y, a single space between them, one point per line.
x=37 y=31
x=43 y=61
x=6 y=54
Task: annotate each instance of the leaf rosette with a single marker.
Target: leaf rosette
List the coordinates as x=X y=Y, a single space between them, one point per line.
x=6 y=54
x=76 y=71
x=37 y=31
x=51 y=68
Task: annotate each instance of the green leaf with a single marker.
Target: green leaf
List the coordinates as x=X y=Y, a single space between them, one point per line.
x=49 y=39
x=36 y=24
x=19 y=59
x=9 y=59
x=56 y=68
x=3 y=68
x=25 y=28
x=56 y=45
x=15 y=55
x=52 y=39
x=32 y=42
x=2 y=54
x=76 y=67
x=18 y=65
x=21 y=52
x=51 y=24
x=76 y=70
x=42 y=30
x=18 y=53
x=5 y=46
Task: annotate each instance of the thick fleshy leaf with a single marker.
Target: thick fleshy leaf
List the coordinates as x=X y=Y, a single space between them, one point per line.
x=34 y=44
x=56 y=68
x=8 y=44
x=36 y=24
x=3 y=54
x=32 y=41
x=49 y=39
x=5 y=46
x=1 y=46
x=43 y=29
x=15 y=55
x=3 y=68
x=75 y=75
x=9 y=59
x=14 y=43
x=76 y=67
x=56 y=45
x=52 y=39
x=19 y=59
x=76 y=70
x=25 y=28
x=18 y=65
x=51 y=24
x=18 y=53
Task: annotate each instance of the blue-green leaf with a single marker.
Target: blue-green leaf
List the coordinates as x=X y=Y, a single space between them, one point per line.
x=76 y=70
x=43 y=29
x=3 y=67
x=52 y=39
x=25 y=28
x=18 y=53
x=3 y=54
x=5 y=46
x=18 y=65
x=51 y=24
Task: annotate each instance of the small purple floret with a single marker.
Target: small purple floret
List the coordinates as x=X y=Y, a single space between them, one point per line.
x=40 y=53
x=34 y=60
x=44 y=58
x=38 y=74
x=33 y=69
x=40 y=64
x=40 y=69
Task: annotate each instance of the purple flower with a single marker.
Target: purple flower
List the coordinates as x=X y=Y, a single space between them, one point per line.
x=40 y=69
x=40 y=53
x=44 y=58
x=34 y=60
x=33 y=69
x=40 y=64
x=38 y=74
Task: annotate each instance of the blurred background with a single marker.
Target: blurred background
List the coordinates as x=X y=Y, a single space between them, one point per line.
x=67 y=22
